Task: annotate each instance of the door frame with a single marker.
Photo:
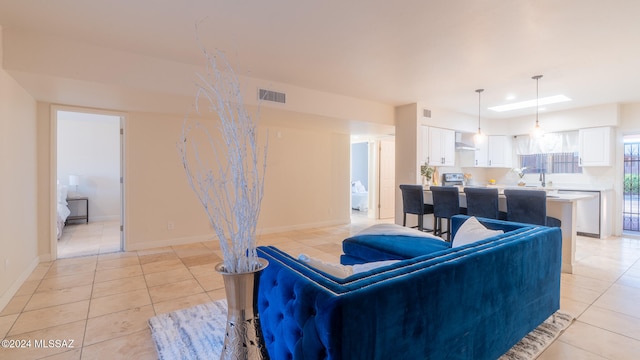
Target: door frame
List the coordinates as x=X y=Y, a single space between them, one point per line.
x=635 y=137
x=53 y=170
x=380 y=195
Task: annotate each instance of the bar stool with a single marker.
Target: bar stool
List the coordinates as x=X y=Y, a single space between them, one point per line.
x=446 y=203
x=413 y=203
x=529 y=207
x=482 y=202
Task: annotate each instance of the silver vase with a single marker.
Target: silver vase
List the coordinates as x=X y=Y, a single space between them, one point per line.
x=243 y=337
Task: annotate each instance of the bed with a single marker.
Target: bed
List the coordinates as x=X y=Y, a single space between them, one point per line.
x=62 y=209
x=359 y=196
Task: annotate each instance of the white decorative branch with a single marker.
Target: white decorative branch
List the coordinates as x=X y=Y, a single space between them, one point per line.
x=229 y=187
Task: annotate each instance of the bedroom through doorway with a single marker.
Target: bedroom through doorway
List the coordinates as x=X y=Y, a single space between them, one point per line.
x=372 y=178
x=89 y=211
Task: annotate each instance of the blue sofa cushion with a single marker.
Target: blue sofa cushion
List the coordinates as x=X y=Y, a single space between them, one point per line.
x=388 y=244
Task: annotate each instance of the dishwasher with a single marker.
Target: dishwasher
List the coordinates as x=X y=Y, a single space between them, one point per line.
x=587 y=213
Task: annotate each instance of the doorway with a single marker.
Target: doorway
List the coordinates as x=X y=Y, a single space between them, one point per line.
x=373 y=178
x=631 y=192
x=360 y=184
x=88 y=171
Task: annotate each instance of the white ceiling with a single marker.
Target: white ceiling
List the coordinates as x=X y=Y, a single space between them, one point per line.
x=393 y=52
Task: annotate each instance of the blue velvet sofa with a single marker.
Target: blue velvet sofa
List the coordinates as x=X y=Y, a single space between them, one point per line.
x=470 y=302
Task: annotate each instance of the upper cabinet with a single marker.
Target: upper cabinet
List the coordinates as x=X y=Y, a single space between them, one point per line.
x=442 y=147
x=482 y=153
x=500 y=151
x=595 y=146
x=495 y=151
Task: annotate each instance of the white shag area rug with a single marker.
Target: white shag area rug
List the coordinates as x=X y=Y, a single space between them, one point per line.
x=532 y=345
x=198 y=333
x=193 y=333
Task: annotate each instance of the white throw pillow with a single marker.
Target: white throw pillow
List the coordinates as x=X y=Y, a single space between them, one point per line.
x=358 y=268
x=471 y=231
x=343 y=271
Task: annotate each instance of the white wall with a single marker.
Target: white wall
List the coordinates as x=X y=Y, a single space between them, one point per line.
x=89 y=147
x=407 y=119
x=593 y=116
x=18 y=189
x=306 y=184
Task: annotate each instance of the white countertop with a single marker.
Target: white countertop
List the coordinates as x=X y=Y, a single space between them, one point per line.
x=552 y=194
x=553 y=187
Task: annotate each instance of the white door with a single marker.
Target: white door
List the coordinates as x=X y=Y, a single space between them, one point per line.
x=386 y=200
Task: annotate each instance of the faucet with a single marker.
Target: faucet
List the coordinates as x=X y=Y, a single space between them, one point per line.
x=543 y=178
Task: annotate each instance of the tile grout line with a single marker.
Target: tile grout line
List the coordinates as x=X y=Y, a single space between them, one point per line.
x=86 y=322
x=592 y=304
x=27 y=302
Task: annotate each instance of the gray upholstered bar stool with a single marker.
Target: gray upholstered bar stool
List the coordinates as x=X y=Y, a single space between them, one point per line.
x=529 y=207
x=482 y=202
x=413 y=203
x=446 y=203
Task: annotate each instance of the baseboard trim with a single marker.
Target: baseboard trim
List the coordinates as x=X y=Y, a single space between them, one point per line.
x=278 y=229
x=104 y=218
x=209 y=237
x=13 y=289
x=167 y=242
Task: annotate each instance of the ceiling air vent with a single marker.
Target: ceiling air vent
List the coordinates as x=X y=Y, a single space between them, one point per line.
x=273 y=96
x=426 y=113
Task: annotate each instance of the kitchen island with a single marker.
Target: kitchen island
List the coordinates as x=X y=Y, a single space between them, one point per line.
x=559 y=206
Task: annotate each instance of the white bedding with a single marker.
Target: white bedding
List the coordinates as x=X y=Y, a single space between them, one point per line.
x=359 y=196
x=62 y=209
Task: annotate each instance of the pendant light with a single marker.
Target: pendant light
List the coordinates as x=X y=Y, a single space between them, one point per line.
x=537 y=131
x=479 y=136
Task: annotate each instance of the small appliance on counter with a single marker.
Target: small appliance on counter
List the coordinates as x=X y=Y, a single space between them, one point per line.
x=453 y=179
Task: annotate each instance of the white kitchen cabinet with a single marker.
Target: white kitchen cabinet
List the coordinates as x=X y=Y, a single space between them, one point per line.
x=595 y=146
x=500 y=149
x=495 y=151
x=482 y=153
x=442 y=147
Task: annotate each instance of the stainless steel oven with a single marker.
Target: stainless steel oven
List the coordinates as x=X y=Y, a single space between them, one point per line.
x=453 y=179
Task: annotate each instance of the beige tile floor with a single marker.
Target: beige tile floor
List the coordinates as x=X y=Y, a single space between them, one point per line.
x=96 y=237
x=102 y=302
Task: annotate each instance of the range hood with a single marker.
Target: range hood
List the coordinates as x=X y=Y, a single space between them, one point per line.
x=464 y=143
